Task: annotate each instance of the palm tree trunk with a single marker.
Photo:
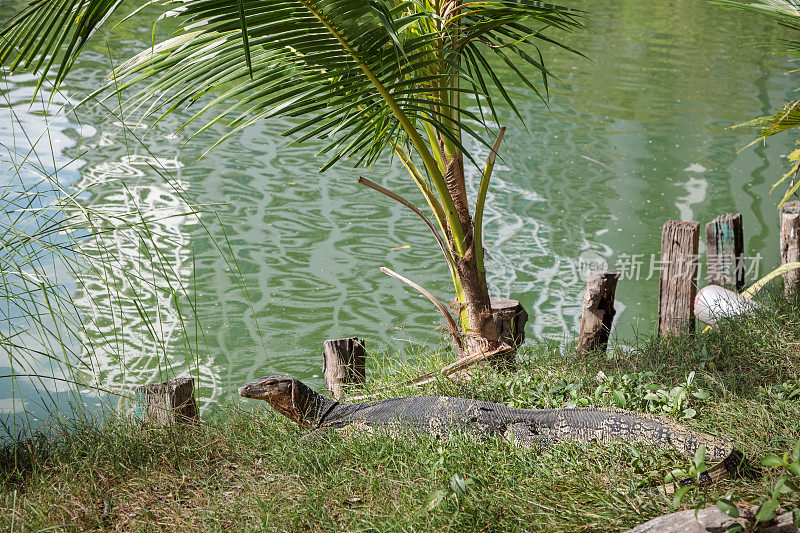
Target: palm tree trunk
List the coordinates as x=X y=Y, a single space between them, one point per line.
x=482 y=333
x=479 y=329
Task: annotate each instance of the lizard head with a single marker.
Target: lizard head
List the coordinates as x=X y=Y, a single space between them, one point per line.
x=287 y=395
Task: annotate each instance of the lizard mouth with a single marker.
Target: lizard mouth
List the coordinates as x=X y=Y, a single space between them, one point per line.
x=267 y=388
x=252 y=390
x=246 y=390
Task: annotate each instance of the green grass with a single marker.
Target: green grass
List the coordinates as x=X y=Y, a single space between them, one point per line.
x=246 y=469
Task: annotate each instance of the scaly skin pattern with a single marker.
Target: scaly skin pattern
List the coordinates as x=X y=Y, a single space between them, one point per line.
x=442 y=415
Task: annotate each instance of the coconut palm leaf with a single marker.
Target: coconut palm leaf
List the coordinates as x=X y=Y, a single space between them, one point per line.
x=787 y=14
x=352 y=66
x=786 y=118
x=47 y=31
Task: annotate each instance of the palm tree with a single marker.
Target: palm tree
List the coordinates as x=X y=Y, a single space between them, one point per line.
x=787 y=14
x=366 y=77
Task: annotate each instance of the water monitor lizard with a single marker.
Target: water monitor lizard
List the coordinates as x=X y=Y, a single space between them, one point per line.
x=522 y=427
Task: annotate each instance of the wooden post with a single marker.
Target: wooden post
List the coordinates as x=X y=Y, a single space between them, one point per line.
x=678 y=280
x=167 y=403
x=598 y=310
x=343 y=362
x=509 y=318
x=790 y=244
x=725 y=252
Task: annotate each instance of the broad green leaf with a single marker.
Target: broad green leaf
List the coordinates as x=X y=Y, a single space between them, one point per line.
x=728 y=507
x=699 y=457
x=701 y=394
x=434 y=499
x=675 y=475
x=598 y=392
x=766 y=511
x=772 y=460
x=459 y=484
x=619 y=399
x=679 y=494
x=781 y=487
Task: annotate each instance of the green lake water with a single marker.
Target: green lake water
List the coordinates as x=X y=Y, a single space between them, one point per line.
x=641 y=136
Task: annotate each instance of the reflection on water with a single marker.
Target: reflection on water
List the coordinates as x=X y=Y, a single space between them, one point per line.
x=293 y=258
x=138 y=273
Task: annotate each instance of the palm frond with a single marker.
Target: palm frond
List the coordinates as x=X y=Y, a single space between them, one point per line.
x=787 y=14
x=786 y=118
x=50 y=31
x=784 y=12
x=343 y=67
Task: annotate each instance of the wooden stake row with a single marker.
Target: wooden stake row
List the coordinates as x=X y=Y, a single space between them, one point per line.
x=598 y=310
x=677 y=284
x=343 y=363
x=678 y=273
x=725 y=263
x=725 y=252
x=168 y=403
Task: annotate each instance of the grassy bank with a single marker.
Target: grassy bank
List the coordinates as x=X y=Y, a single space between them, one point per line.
x=246 y=469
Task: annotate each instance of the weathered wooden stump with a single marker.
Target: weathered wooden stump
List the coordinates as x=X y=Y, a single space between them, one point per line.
x=598 y=310
x=344 y=363
x=678 y=279
x=509 y=319
x=167 y=403
x=790 y=244
x=725 y=252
